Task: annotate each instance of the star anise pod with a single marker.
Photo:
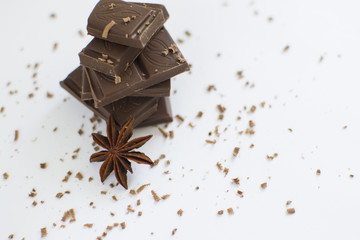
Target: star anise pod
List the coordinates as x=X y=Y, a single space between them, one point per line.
x=119 y=151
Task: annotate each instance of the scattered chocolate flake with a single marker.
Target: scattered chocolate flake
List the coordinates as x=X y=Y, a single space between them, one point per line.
x=199 y=115
x=43 y=232
x=2 y=109
x=230 y=211
x=34 y=203
x=288 y=202
x=321 y=59
x=191 y=125
x=163 y=132
x=240 y=193
x=236 y=180
x=270 y=19
x=240 y=74
x=130 y=209
x=180 y=118
x=290 y=130
x=55 y=46
x=180 y=41
x=164 y=197
x=139 y=213
x=69 y=214
x=221 y=108
x=80 y=132
x=219 y=166
x=138 y=202
x=88 y=225
x=187 y=33
x=90 y=179
x=55 y=129
x=79 y=176
x=236 y=151
x=286 y=48
x=66 y=178
x=173 y=231
x=132 y=192
x=251 y=145
x=171 y=134
x=5 y=175
x=123 y=225
x=271 y=157
x=253 y=109
x=59 y=195
x=290 y=210
x=251 y=124
x=53 y=15
x=262 y=104
x=16 y=135
x=43 y=165
x=155 y=196
x=180 y=212
x=211 y=88
x=226 y=171
x=197 y=188
x=142 y=187
x=220 y=212
x=318 y=172
x=81 y=33
x=103 y=192
x=351 y=175
x=263 y=185
x=210 y=141
x=115 y=198
x=33 y=193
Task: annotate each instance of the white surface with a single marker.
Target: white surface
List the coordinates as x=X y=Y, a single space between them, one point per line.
x=314 y=99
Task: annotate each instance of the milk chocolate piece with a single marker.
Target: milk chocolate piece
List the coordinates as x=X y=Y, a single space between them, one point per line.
x=159 y=90
x=140 y=108
x=162 y=115
x=109 y=58
x=129 y=24
x=159 y=61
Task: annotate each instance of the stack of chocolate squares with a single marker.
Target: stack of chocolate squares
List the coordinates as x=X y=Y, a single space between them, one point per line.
x=126 y=69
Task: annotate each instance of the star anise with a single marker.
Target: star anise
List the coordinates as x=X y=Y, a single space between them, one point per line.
x=119 y=151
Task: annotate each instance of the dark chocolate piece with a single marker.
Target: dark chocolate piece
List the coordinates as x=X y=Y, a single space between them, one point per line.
x=159 y=90
x=140 y=108
x=159 y=61
x=129 y=24
x=162 y=115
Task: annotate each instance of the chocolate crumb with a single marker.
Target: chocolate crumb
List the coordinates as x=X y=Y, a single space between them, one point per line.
x=43 y=165
x=351 y=175
x=236 y=180
x=115 y=198
x=2 y=109
x=236 y=151
x=80 y=132
x=199 y=115
x=180 y=118
x=263 y=185
x=253 y=109
x=210 y=141
x=221 y=108
x=197 y=188
x=163 y=132
x=16 y=135
x=240 y=75
x=138 y=202
x=5 y=175
x=53 y=15
x=132 y=192
x=288 y=202
x=34 y=203
x=142 y=187
x=220 y=212
x=59 y=195
x=226 y=171
x=55 y=46
x=164 y=197
x=230 y=211
x=81 y=33
x=286 y=48
x=155 y=196
x=139 y=213
x=88 y=225
x=171 y=134
x=43 y=232
x=79 y=176
x=318 y=172
x=187 y=33
x=211 y=88
x=180 y=212
x=174 y=231
x=123 y=225
x=290 y=210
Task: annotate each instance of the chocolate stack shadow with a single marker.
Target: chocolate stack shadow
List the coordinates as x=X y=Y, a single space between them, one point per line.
x=125 y=70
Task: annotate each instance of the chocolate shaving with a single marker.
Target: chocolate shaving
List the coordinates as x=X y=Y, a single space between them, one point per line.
x=290 y=210
x=163 y=132
x=155 y=196
x=236 y=151
x=180 y=212
x=43 y=232
x=88 y=225
x=123 y=225
x=107 y=29
x=16 y=135
x=230 y=211
x=142 y=187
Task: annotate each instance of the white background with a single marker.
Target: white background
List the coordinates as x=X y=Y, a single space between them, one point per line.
x=315 y=99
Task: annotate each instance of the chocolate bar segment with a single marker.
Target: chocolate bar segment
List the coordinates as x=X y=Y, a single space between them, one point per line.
x=125 y=23
x=140 y=108
x=162 y=115
x=159 y=90
x=109 y=58
x=159 y=61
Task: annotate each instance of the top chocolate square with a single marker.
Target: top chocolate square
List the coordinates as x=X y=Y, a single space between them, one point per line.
x=130 y=24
